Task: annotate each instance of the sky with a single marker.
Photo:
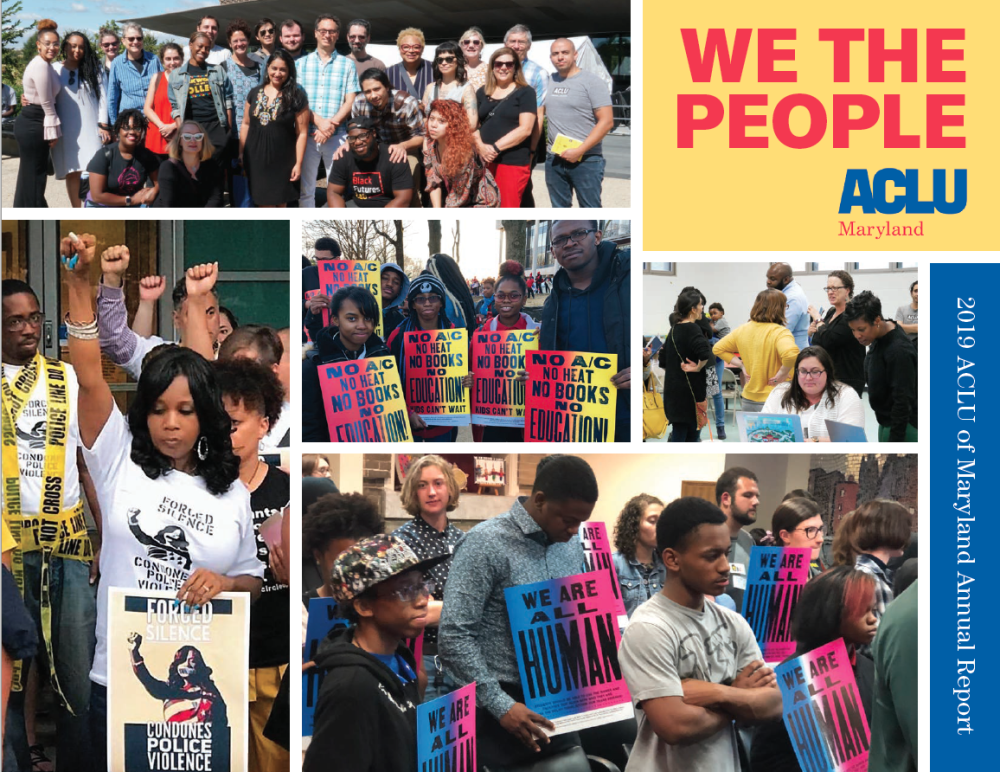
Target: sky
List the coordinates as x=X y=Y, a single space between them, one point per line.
x=89 y=15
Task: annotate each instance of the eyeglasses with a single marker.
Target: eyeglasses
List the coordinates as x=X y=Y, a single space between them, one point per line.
x=428 y=301
x=512 y=296
x=115 y=44
x=268 y=31
x=811 y=373
x=413 y=592
x=358 y=137
x=504 y=65
x=833 y=289
x=18 y=323
x=577 y=236
x=197 y=137
x=417 y=47
x=475 y=43
x=445 y=59
x=327 y=31
x=812 y=531
x=133 y=39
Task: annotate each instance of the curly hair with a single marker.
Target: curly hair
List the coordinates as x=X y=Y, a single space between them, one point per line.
x=238 y=25
x=408 y=496
x=510 y=270
x=90 y=65
x=339 y=516
x=627 y=526
x=132 y=116
x=220 y=468
x=458 y=143
x=249 y=383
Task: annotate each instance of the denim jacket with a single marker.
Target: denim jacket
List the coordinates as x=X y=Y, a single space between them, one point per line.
x=218 y=82
x=636 y=586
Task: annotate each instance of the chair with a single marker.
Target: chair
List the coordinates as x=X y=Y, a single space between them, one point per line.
x=730 y=387
x=607 y=741
x=571 y=760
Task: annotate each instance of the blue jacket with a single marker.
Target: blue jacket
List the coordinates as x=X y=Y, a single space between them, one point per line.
x=218 y=82
x=637 y=588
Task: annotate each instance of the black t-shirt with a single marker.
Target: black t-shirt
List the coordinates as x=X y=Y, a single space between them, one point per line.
x=269 y=616
x=506 y=115
x=371 y=183
x=200 y=106
x=126 y=177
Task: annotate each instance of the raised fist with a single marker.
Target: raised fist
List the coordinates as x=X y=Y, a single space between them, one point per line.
x=77 y=255
x=151 y=288
x=200 y=279
x=114 y=260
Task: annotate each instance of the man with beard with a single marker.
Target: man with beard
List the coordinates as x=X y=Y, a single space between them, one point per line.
x=359 y=33
x=780 y=277
x=366 y=176
x=737 y=495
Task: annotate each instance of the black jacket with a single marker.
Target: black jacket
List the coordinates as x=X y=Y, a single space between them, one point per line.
x=617 y=304
x=366 y=718
x=891 y=372
x=328 y=349
x=848 y=356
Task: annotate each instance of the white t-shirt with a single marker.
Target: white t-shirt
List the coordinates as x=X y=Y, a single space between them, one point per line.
x=30 y=428
x=217 y=55
x=157 y=532
x=848 y=409
x=665 y=643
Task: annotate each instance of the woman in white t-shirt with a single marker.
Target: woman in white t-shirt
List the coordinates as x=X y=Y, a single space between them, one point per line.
x=815 y=395
x=175 y=515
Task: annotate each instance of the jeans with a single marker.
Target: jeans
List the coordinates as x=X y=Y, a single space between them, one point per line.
x=310 y=165
x=684 y=433
x=74 y=622
x=585 y=177
x=718 y=402
x=439 y=683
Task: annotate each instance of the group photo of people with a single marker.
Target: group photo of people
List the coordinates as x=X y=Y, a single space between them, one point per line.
x=410 y=565
x=426 y=285
x=771 y=352
x=262 y=112
x=146 y=421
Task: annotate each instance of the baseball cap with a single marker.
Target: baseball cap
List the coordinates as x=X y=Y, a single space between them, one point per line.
x=372 y=561
x=361 y=122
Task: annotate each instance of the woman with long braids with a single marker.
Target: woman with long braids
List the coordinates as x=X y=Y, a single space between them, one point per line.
x=456 y=175
x=37 y=127
x=175 y=516
x=639 y=567
x=82 y=106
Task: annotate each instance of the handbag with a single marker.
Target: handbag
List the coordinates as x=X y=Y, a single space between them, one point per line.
x=654 y=420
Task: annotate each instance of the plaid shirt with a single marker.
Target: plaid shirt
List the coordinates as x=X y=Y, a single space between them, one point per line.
x=538 y=79
x=883 y=587
x=327 y=84
x=399 y=121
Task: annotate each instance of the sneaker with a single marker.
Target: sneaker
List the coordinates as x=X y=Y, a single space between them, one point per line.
x=720 y=432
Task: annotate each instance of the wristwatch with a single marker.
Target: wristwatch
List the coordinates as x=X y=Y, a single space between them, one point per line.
x=128 y=200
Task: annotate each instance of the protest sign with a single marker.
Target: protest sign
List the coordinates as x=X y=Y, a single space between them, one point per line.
x=363 y=400
x=178 y=682
x=334 y=274
x=597 y=557
x=823 y=712
x=570 y=397
x=497 y=392
x=446 y=732
x=566 y=638
x=436 y=363
x=323 y=617
x=326 y=313
x=775 y=580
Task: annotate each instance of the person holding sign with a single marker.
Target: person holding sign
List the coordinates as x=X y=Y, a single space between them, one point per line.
x=798 y=522
x=536 y=540
x=366 y=717
x=350 y=336
x=590 y=304
x=638 y=565
x=838 y=604
x=426 y=298
x=693 y=667
x=175 y=517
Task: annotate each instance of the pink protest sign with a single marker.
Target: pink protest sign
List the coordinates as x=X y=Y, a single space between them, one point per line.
x=775 y=578
x=597 y=557
x=446 y=732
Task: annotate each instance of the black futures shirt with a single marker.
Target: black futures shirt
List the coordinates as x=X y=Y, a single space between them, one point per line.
x=428 y=542
x=269 y=616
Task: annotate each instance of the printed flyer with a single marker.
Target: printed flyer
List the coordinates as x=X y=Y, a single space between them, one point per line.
x=566 y=638
x=570 y=397
x=446 y=732
x=774 y=583
x=178 y=683
x=364 y=401
x=497 y=391
x=823 y=712
x=334 y=274
x=436 y=363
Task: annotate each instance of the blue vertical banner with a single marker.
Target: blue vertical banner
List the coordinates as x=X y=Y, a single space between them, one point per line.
x=964 y=677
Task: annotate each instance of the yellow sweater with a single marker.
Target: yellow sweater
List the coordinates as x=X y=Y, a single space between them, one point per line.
x=764 y=349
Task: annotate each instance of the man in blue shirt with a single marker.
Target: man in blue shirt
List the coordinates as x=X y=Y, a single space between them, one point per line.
x=536 y=540
x=779 y=277
x=128 y=80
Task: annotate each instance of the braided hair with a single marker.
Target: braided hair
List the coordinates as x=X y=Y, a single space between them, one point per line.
x=457 y=291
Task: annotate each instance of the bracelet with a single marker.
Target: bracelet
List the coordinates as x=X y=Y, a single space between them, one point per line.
x=82 y=331
x=494 y=146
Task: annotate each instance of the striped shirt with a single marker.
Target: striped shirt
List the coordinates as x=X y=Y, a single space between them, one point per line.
x=400 y=78
x=538 y=79
x=327 y=83
x=399 y=121
x=127 y=86
x=121 y=345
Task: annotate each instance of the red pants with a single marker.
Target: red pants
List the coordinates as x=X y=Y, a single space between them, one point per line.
x=512 y=180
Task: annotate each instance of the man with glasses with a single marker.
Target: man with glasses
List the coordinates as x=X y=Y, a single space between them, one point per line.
x=291 y=38
x=518 y=39
x=738 y=496
x=366 y=713
x=110 y=44
x=210 y=26
x=265 y=33
x=331 y=83
x=359 y=33
x=579 y=109
x=589 y=308
x=366 y=176
x=797 y=319
x=54 y=565
x=128 y=80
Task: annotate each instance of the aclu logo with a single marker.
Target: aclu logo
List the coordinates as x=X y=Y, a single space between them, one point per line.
x=873 y=196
